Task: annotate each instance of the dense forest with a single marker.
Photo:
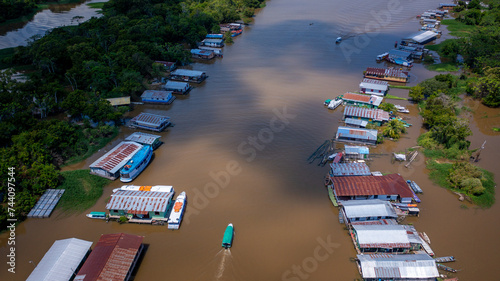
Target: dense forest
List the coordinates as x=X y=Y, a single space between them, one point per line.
x=12 y=9
x=73 y=69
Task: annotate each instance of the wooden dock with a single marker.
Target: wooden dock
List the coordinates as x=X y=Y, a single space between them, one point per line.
x=46 y=203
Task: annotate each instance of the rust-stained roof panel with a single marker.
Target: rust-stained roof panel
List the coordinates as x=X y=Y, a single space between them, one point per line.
x=111 y=258
x=370 y=185
x=116 y=158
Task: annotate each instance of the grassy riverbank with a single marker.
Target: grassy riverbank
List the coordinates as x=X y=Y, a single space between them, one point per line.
x=97 y=5
x=82 y=190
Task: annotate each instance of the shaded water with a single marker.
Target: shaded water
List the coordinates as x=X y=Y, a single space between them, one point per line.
x=268 y=90
x=18 y=34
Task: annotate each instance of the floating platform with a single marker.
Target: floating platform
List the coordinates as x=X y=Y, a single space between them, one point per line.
x=46 y=203
x=445 y=259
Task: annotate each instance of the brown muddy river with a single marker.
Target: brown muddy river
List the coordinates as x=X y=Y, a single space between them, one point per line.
x=239 y=149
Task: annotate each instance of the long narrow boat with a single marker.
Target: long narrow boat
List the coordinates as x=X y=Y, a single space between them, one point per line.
x=175 y=218
x=136 y=164
x=227 y=240
x=425 y=237
x=97 y=215
x=446 y=268
x=445 y=259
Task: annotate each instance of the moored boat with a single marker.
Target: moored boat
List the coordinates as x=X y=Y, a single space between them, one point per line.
x=227 y=240
x=338 y=40
x=97 y=215
x=425 y=237
x=175 y=218
x=445 y=259
x=136 y=164
x=446 y=268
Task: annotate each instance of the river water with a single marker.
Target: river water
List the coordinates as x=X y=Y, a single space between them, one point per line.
x=239 y=148
x=18 y=34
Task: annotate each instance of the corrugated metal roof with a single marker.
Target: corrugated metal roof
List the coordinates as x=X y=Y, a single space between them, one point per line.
x=143 y=138
x=375 y=222
x=356 y=97
x=365 y=134
x=111 y=258
x=368 y=208
x=61 y=260
x=408 y=266
x=213 y=40
x=349 y=169
x=392 y=184
x=174 y=85
x=399 y=53
x=354 y=149
x=376 y=82
x=356 y=122
x=119 y=101
x=422 y=36
x=201 y=52
x=187 y=72
x=139 y=202
x=382 y=236
x=150 y=120
x=116 y=158
x=387 y=72
x=368 y=113
x=153 y=94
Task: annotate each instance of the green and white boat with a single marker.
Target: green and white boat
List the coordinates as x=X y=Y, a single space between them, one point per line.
x=97 y=215
x=227 y=240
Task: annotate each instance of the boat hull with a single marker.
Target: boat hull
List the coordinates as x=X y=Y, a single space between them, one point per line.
x=227 y=240
x=176 y=215
x=135 y=172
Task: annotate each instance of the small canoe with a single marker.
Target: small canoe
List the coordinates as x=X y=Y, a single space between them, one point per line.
x=227 y=240
x=445 y=259
x=425 y=237
x=445 y=268
x=97 y=215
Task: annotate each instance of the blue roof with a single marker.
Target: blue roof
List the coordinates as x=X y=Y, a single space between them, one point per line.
x=356 y=122
x=349 y=169
x=357 y=133
x=136 y=160
x=214 y=36
x=352 y=149
x=201 y=52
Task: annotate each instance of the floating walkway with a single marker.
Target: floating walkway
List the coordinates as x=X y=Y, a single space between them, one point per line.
x=46 y=204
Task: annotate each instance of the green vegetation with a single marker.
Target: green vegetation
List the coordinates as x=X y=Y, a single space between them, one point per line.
x=463 y=177
x=458 y=28
x=443 y=67
x=96 y=5
x=393 y=129
x=82 y=190
x=496 y=129
x=387 y=107
x=396 y=97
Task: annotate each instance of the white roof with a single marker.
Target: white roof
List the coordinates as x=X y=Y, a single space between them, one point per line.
x=61 y=260
x=176 y=85
x=423 y=36
x=374 y=84
x=418 y=266
x=176 y=213
x=368 y=208
x=374 y=236
x=187 y=72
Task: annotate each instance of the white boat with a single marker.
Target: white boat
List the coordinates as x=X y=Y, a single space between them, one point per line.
x=334 y=104
x=382 y=56
x=338 y=40
x=175 y=218
x=156 y=188
x=401 y=109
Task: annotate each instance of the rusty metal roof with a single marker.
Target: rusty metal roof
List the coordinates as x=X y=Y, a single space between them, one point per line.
x=111 y=258
x=139 y=202
x=387 y=72
x=117 y=157
x=392 y=184
x=369 y=113
x=150 y=120
x=356 y=97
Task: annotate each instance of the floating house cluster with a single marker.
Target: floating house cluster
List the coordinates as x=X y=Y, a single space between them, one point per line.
x=114 y=257
x=211 y=47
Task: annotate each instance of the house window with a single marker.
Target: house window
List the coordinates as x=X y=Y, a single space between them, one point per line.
x=157 y=213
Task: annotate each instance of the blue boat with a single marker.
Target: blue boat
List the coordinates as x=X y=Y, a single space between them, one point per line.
x=414 y=186
x=136 y=164
x=227 y=240
x=214 y=36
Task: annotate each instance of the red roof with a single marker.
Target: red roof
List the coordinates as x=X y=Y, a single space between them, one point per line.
x=357 y=97
x=386 y=72
x=392 y=184
x=117 y=157
x=111 y=258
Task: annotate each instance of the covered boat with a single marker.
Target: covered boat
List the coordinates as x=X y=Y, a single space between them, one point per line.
x=227 y=240
x=136 y=164
x=97 y=215
x=175 y=218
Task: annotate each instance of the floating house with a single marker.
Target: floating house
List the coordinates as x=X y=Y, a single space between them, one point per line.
x=374 y=87
x=145 y=139
x=113 y=258
x=355 y=135
x=202 y=54
x=187 y=75
x=415 y=51
x=387 y=187
x=168 y=65
x=180 y=88
x=355 y=123
x=422 y=37
x=225 y=27
x=367 y=210
x=119 y=101
x=381 y=239
x=363 y=100
x=392 y=75
x=349 y=169
x=141 y=206
x=216 y=42
x=397 y=267
x=447 y=6
x=61 y=261
x=399 y=54
x=354 y=152
x=216 y=51
x=375 y=116
x=109 y=165
x=161 y=97
x=215 y=36
x=376 y=222
x=150 y=121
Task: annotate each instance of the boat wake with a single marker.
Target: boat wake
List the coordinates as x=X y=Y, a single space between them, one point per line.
x=224 y=260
